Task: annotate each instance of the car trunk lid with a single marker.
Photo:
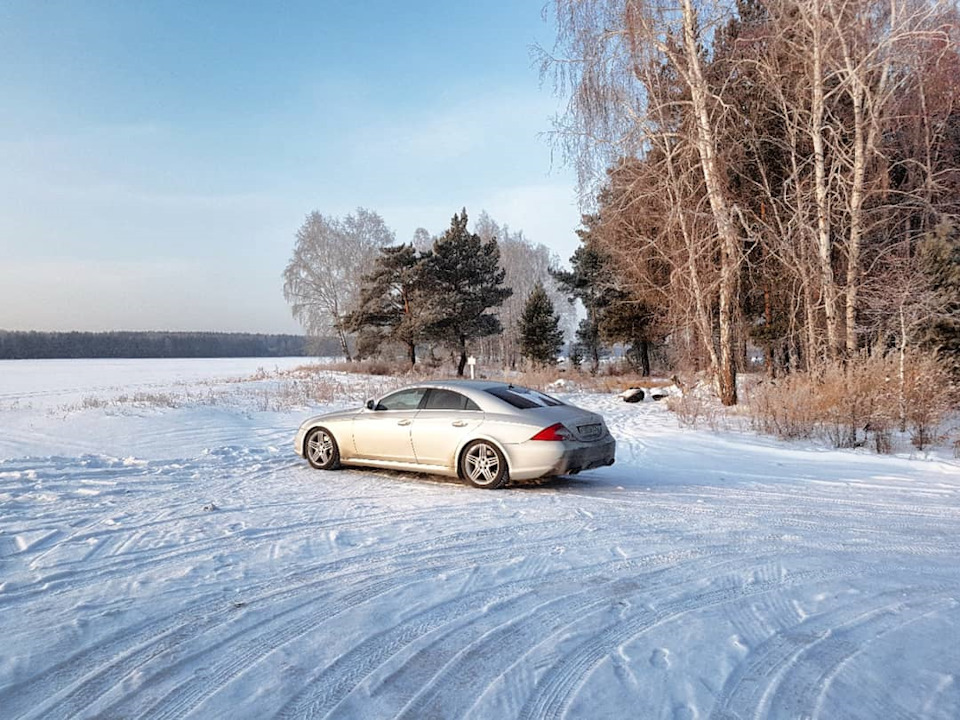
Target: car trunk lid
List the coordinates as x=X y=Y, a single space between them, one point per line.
x=584 y=425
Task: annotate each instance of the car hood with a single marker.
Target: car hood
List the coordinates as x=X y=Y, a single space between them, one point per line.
x=331 y=416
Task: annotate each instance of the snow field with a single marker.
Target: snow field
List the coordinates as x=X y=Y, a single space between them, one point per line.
x=184 y=562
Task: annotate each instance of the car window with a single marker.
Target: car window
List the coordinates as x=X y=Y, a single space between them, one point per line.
x=402 y=400
x=523 y=398
x=448 y=400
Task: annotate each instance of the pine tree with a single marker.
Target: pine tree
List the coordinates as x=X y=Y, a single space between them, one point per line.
x=393 y=302
x=465 y=281
x=585 y=283
x=940 y=260
x=613 y=315
x=541 y=338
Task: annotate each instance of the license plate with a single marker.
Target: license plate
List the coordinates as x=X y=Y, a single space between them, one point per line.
x=590 y=432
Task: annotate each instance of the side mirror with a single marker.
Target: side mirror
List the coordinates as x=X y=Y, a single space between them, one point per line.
x=371 y=405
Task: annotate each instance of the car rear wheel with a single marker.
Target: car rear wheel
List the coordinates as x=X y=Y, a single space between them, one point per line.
x=321 y=450
x=483 y=465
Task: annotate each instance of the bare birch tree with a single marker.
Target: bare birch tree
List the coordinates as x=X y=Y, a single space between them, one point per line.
x=613 y=49
x=526 y=264
x=323 y=277
x=859 y=60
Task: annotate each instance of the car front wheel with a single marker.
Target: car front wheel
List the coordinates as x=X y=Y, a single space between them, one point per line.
x=483 y=465
x=321 y=450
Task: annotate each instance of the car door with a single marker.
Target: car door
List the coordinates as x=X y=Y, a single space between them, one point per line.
x=384 y=432
x=445 y=420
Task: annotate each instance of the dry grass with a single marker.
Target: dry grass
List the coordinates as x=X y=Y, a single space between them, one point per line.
x=697 y=404
x=693 y=410
x=612 y=377
x=394 y=368
x=263 y=391
x=287 y=394
x=858 y=404
x=136 y=400
x=548 y=378
x=852 y=405
x=930 y=394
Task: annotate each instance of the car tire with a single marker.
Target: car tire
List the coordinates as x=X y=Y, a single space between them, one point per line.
x=483 y=465
x=321 y=450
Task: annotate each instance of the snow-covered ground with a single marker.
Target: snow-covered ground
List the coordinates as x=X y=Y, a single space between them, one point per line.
x=163 y=553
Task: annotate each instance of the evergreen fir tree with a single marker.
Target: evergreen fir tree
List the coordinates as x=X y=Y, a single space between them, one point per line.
x=541 y=338
x=393 y=302
x=613 y=315
x=940 y=255
x=586 y=283
x=465 y=281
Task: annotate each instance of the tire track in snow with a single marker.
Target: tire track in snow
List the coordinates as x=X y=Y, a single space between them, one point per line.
x=130 y=649
x=245 y=648
x=115 y=565
x=133 y=561
x=555 y=690
x=762 y=682
x=128 y=653
x=891 y=528
x=806 y=681
x=250 y=646
x=119 y=567
x=475 y=665
x=334 y=684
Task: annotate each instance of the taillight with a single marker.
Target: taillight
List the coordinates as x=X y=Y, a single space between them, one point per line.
x=554 y=432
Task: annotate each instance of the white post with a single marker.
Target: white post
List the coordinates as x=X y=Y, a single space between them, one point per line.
x=472 y=362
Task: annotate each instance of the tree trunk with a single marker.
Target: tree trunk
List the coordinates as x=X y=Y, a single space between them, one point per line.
x=727 y=380
x=643 y=347
x=824 y=244
x=902 y=399
x=412 y=353
x=729 y=239
x=343 y=343
x=770 y=348
x=856 y=222
x=866 y=128
x=463 y=356
x=594 y=344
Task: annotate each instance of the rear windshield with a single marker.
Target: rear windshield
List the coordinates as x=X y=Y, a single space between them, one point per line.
x=523 y=398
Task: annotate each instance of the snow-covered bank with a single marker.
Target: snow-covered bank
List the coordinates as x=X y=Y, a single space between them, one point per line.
x=182 y=562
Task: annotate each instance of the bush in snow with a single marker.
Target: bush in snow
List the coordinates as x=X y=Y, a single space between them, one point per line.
x=860 y=402
x=929 y=394
x=857 y=399
x=785 y=408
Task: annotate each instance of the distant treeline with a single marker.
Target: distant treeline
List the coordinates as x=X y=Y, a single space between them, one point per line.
x=42 y=345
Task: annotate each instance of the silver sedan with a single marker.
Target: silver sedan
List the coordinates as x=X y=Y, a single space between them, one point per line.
x=484 y=432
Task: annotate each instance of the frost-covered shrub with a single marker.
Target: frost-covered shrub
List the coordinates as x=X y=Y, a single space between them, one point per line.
x=695 y=407
x=689 y=409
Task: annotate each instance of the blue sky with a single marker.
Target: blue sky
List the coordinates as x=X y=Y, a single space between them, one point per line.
x=156 y=158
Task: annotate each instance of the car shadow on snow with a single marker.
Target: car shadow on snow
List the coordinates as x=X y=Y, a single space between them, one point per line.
x=556 y=482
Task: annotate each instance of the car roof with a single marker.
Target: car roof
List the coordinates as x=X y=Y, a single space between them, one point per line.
x=455 y=385
x=474 y=389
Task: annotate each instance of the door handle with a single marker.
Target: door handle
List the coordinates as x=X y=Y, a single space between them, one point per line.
x=404 y=422
x=459 y=423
